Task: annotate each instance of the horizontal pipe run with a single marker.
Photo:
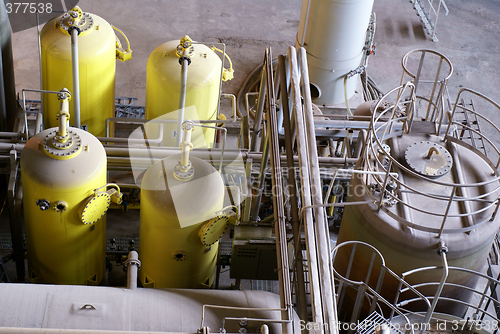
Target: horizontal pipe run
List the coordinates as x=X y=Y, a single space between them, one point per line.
x=147 y=142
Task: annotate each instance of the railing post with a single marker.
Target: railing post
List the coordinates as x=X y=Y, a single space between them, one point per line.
x=447 y=210
x=386 y=179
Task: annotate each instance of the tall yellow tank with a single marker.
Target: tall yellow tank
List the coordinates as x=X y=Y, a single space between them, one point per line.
x=176 y=221
x=97 y=51
x=66 y=242
x=163 y=87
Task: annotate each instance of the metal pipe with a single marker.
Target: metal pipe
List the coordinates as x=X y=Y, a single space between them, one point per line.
x=321 y=226
x=265 y=151
x=294 y=206
x=278 y=201
x=147 y=142
x=76 y=78
x=132 y=264
x=260 y=109
x=39 y=126
x=182 y=100
x=443 y=250
x=316 y=297
x=186 y=145
x=462 y=191
x=260 y=187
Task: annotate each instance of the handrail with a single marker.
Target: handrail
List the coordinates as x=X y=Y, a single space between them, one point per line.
x=402 y=112
x=480 y=307
x=364 y=286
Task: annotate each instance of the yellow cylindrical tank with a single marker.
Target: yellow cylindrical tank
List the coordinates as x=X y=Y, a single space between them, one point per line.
x=58 y=179
x=163 y=87
x=97 y=68
x=172 y=250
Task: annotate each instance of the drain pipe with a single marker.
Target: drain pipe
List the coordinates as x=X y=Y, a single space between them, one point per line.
x=75 y=31
x=443 y=250
x=132 y=264
x=184 y=51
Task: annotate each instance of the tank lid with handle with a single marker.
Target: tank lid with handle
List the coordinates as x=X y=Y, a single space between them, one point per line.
x=428 y=159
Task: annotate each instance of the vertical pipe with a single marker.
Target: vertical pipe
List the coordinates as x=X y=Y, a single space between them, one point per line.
x=316 y=297
x=76 y=78
x=262 y=176
x=182 y=100
x=39 y=126
x=260 y=109
x=133 y=265
x=321 y=226
x=265 y=150
x=442 y=251
x=294 y=211
x=279 y=209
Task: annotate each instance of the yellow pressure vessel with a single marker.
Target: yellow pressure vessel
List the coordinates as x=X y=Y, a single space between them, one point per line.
x=58 y=180
x=163 y=87
x=97 y=66
x=176 y=219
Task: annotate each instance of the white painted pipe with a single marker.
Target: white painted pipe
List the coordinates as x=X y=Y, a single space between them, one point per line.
x=133 y=265
x=182 y=99
x=76 y=78
x=321 y=224
x=333 y=32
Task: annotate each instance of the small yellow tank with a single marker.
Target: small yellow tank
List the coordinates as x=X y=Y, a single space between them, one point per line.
x=163 y=87
x=97 y=51
x=177 y=219
x=65 y=244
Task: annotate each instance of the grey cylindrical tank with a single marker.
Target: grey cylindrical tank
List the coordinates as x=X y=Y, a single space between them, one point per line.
x=417 y=215
x=333 y=33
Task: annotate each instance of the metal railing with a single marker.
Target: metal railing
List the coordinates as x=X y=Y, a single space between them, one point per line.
x=365 y=289
x=481 y=307
x=479 y=208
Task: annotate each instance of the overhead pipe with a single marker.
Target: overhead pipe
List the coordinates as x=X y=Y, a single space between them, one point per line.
x=76 y=76
x=303 y=156
x=278 y=200
x=148 y=142
x=294 y=206
x=265 y=150
x=321 y=226
x=260 y=110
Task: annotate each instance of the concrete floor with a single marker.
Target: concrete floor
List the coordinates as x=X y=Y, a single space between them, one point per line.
x=468 y=36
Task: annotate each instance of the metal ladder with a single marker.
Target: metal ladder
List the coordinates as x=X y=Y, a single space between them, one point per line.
x=429 y=17
x=371 y=324
x=470 y=120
